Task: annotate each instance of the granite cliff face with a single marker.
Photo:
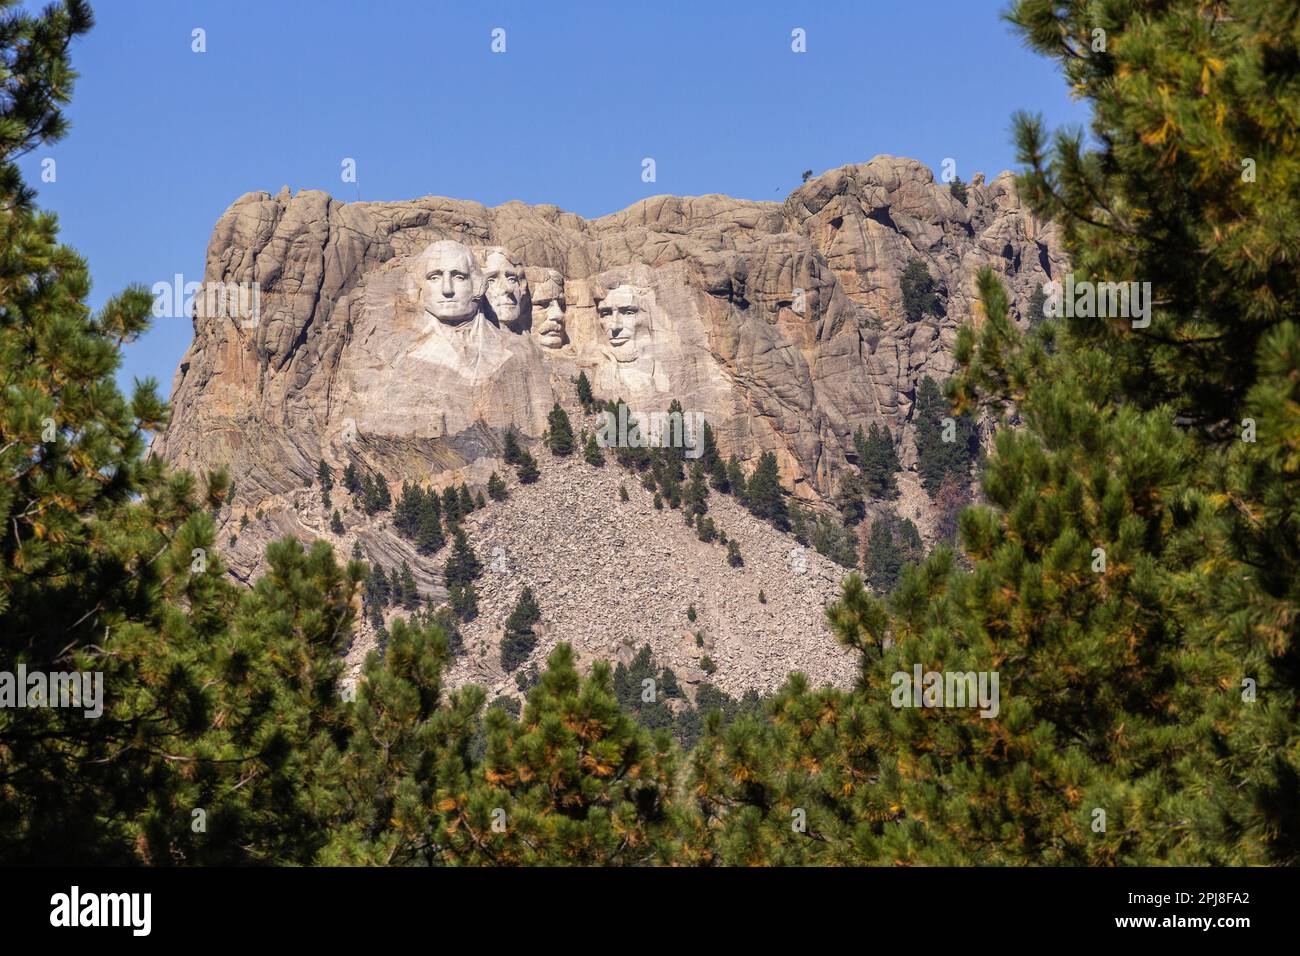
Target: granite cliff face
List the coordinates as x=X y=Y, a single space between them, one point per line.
x=377 y=344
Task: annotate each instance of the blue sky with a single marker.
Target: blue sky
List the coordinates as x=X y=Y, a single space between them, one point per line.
x=163 y=139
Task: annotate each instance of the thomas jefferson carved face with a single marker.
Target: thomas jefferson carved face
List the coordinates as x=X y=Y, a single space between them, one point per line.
x=624 y=316
x=507 y=287
x=548 y=311
x=451 y=284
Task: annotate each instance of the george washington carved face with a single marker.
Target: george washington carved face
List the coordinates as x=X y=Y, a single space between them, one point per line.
x=507 y=287
x=624 y=315
x=450 y=282
x=548 y=310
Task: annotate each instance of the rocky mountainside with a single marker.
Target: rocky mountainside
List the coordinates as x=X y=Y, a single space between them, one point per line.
x=405 y=338
x=611 y=576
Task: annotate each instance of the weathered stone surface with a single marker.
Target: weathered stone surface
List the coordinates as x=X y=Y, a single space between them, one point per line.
x=781 y=323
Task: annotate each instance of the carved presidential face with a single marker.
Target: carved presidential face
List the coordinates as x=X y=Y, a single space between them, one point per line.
x=451 y=283
x=625 y=320
x=507 y=287
x=548 y=311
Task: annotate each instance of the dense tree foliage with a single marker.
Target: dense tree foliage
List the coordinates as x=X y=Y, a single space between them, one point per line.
x=559 y=431
x=945 y=440
x=764 y=495
x=918 y=291
x=877 y=462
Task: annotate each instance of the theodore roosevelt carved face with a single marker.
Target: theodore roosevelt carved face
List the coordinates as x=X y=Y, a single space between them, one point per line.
x=548 y=310
x=450 y=282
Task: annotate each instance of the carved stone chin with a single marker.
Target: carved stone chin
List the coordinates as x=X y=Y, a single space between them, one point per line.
x=507 y=288
x=449 y=281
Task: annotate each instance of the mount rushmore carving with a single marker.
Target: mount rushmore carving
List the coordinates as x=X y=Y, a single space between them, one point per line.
x=476 y=298
x=406 y=337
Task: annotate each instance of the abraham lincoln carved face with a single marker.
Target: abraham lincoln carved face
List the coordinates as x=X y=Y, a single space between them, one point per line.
x=625 y=317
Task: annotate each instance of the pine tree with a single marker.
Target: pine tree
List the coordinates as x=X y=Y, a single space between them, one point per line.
x=451 y=505
x=944 y=440
x=497 y=488
x=336 y=522
x=527 y=471
x=406 y=588
x=511 y=451
x=918 y=290
x=848 y=499
x=377 y=586
x=763 y=494
x=1036 y=313
x=830 y=538
x=351 y=481
x=697 y=491
x=719 y=478
x=406 y=767
x=377 y=618
x=593 y=453
x=957 y=189
x=579 y=780
x=428 y=536
x=463 y=599
x=672 y=451
x=466 y=500
x=891 y=546
x=410 y=507
x=733 y=554
x=463 y=566
x=877 y=462
x=325 y=477
x=952 y=498
x=736 y=479
x=710 y=458
x=383 y=499
x=666 y=471
x=519 y=638
x=585 y=397
x=559 y=432
x=705 y=529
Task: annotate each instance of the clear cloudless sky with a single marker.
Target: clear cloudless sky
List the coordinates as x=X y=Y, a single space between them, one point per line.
x=163 y=139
